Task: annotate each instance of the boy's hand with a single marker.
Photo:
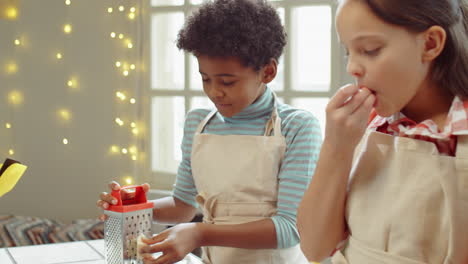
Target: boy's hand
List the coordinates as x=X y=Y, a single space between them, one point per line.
x=175 y=243
x=106 y=198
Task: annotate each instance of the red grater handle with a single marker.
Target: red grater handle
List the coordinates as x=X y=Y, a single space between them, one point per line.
x=138 y=198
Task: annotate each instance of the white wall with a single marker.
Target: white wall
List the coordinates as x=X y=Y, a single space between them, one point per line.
x=63 y=181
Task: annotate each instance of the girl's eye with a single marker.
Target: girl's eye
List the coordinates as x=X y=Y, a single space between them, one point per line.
x=372 y=52
x=205 y=80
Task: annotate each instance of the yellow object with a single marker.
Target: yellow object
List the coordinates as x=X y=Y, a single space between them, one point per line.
x=10 y=177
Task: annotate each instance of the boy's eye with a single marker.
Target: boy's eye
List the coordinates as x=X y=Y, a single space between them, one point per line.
x=228 y=83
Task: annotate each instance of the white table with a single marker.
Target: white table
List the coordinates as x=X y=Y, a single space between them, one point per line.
x=83 y=252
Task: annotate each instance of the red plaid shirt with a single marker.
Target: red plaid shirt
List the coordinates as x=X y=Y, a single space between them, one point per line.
x=446 y=140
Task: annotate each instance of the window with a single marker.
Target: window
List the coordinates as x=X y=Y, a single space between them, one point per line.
x=310 y=71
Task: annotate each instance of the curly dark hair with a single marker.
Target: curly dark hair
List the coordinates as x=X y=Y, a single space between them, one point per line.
x=250 y=30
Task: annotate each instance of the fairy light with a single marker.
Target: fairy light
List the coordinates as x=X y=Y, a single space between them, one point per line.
x=11 y=12
x=119 y=121
x=65 y=141
x=17 y=42
x=132 y=100
x=132 y=67
x=59 y=56
x=68 y=2
x=112 y=34
x=114 y=149
x=135 y=131
x=124 y=151
x=121 y=36
x=131 y=16
x=132 y=9
x=133 y=124
x=130 y=45
x=15 y=97
x=128 y=180
x=110 y=10
x=11 y=152
x=134 y=157
x=11 y=68
x=132 y=150
x=121 y=96
x=64 y=114
x=125 y=73
x=8 y=125
x=67 y=28
x=118 y=64
x=121 y=8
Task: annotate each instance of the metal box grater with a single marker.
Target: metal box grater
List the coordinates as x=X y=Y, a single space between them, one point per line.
x=126 y=221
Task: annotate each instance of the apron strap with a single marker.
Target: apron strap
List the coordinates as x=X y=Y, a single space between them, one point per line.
x=462 y=146
x=274 y=124
x=203 y=123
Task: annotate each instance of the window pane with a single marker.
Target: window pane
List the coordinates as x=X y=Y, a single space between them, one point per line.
x=197 y=2
x=167 y=124
x=167 y=65
x=166 y=2
x=314 y=105
x=195 y=77
x=311 y=48
x=202 y=102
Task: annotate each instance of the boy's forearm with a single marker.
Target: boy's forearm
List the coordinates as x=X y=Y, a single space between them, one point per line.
x=259 y=234
x=170 y=210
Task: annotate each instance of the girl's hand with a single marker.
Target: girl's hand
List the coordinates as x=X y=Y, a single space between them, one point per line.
x=347 y=116
x=106 y=198
x=175 y=243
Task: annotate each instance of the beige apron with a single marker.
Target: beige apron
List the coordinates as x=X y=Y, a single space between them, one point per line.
x=237 y=180
x=406 y=203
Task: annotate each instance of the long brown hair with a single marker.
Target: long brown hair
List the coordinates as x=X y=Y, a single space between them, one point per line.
x=450 y=69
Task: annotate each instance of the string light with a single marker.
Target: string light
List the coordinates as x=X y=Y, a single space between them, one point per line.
x=125 y=73
x=132 y=100
x=15 y=97
x=114 y=149
x=72 y=83
x=67 y=2
x=17 y=42
x=67 y=28
x=119 y=121
x=11 y=12
x=65 y=141
x=11 y=68
x=121 y=96
x=124 y=151
x=121 y=8
x=64 y=114
x=131 y=16
x=135 y=131
x=132 y=66
x=133 y=150
x=133 y=124
x=118 y=64
x=110 y=10
x=134 y=157
x=132 y=9
x=112 y=34
x=8 y=125
x=11 y=152
x=59 y=56
x=128 y=180
x=121 y=36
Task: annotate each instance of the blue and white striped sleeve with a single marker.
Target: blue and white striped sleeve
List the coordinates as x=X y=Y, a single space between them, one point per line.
x=184 y=187
x=303 y=141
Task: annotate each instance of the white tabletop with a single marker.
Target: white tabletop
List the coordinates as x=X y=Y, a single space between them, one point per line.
x=83 y=252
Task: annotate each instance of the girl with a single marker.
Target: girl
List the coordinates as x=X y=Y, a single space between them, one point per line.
x=404 y=197
x=247 y=163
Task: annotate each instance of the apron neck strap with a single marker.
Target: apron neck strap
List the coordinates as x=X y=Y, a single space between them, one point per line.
x=274 y=124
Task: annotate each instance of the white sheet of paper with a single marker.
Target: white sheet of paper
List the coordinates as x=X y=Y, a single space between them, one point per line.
x=4 y=257
x=98 y=245
x=54 y=253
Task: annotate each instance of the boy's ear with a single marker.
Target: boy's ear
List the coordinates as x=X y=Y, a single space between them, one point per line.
x=269 y=71
x=434 y=43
